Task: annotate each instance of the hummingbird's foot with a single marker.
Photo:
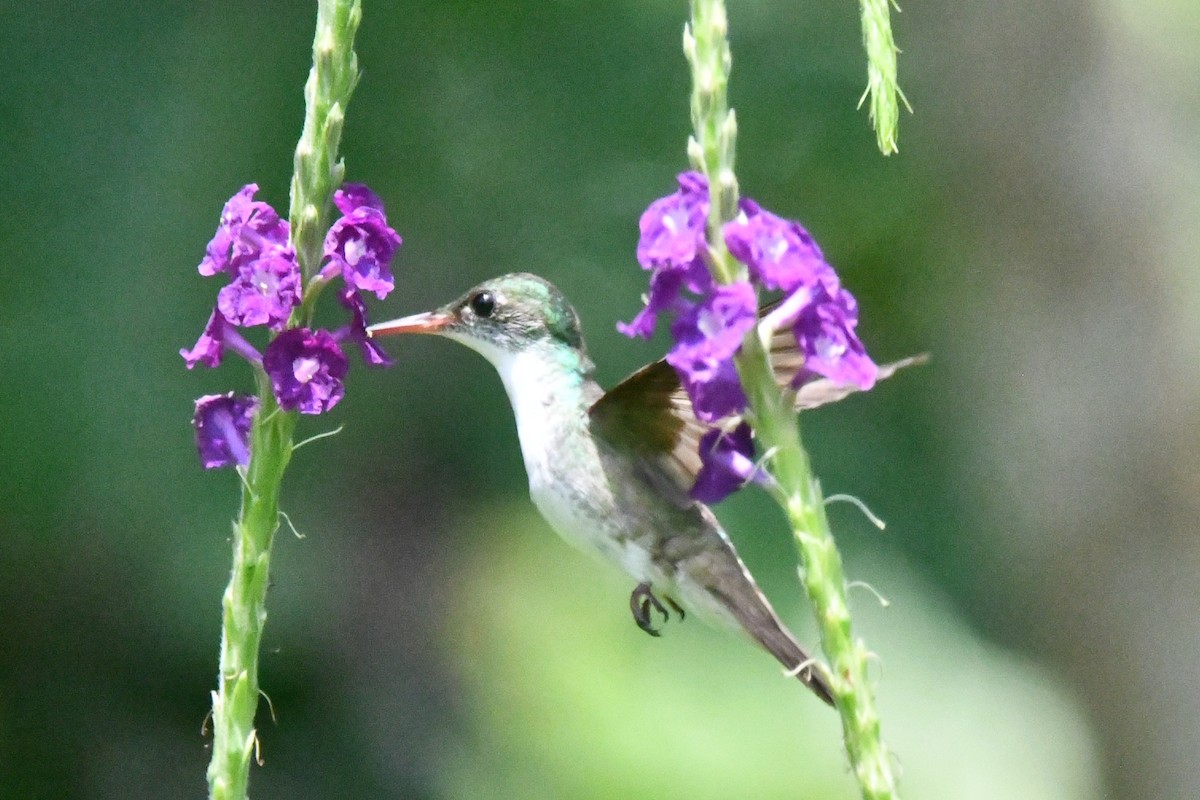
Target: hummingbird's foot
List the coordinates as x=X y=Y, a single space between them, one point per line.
x=642 y=600
x=676 y=607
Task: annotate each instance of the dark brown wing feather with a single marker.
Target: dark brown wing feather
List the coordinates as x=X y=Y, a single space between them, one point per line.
x=650 y=414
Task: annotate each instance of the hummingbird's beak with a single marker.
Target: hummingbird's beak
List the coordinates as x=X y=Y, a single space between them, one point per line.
x=429 y=322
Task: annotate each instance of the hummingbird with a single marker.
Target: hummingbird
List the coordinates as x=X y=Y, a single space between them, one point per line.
x=611 y=471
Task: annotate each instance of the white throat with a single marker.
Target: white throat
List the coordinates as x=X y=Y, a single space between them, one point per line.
x=541 y=393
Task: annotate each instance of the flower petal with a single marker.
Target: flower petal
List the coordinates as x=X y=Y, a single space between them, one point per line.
x=222 y=423
x=715 y=392
x=825 y=333
x=210 y=347
x=353 y=196
x=373 y=355
x=247 y=228
x=779 y=252
x=306 y=368
x=707 y=336
x=727 y=464
x=264 y=290
x=360 y=247
x=672 y=228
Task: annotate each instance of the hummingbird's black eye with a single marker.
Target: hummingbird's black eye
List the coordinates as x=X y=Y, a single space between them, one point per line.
x=483 y=304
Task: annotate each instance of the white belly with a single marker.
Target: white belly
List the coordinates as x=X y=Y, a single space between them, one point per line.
x=581 y=528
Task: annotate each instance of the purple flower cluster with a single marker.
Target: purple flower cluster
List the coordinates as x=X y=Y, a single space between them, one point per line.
x=306 y=366
x=710 y=320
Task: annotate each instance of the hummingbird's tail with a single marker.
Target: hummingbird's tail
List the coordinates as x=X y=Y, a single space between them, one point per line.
x=754 y=614
x=723 y=576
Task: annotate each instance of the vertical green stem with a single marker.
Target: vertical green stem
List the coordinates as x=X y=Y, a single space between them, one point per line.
x=244 y=602
x=711 y=150
x=318 y=172
x=712 y=143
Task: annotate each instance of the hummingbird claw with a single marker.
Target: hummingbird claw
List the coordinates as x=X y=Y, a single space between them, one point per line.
x=677 y=608
x=642 y=600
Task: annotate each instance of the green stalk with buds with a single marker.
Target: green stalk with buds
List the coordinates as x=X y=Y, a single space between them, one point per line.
x=773 y=416
x=318 y=172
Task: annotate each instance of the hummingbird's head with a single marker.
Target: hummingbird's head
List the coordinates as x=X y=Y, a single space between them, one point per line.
x=500 y=318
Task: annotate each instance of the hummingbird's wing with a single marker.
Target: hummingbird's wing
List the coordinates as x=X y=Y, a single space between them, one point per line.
x=650 y=413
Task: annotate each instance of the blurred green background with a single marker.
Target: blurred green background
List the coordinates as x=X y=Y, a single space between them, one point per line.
x=430 y=637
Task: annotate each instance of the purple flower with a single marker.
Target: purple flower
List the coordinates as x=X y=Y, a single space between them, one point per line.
x=248 y=227
x=672 y=246
x=727 y=464
x=666 y=296
x=251 y=243
x=356 y=331
x=352 y=196
x=222 y=423
x=361 y=244
x=825 y=332
x=210 y=347
x=306 y=368
x=265 y=289
x=782 y=255
x=712 y=330
x=673 y=226
x=707 y=335
x=715 y=392
x=665 y=288
x=779 y=252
